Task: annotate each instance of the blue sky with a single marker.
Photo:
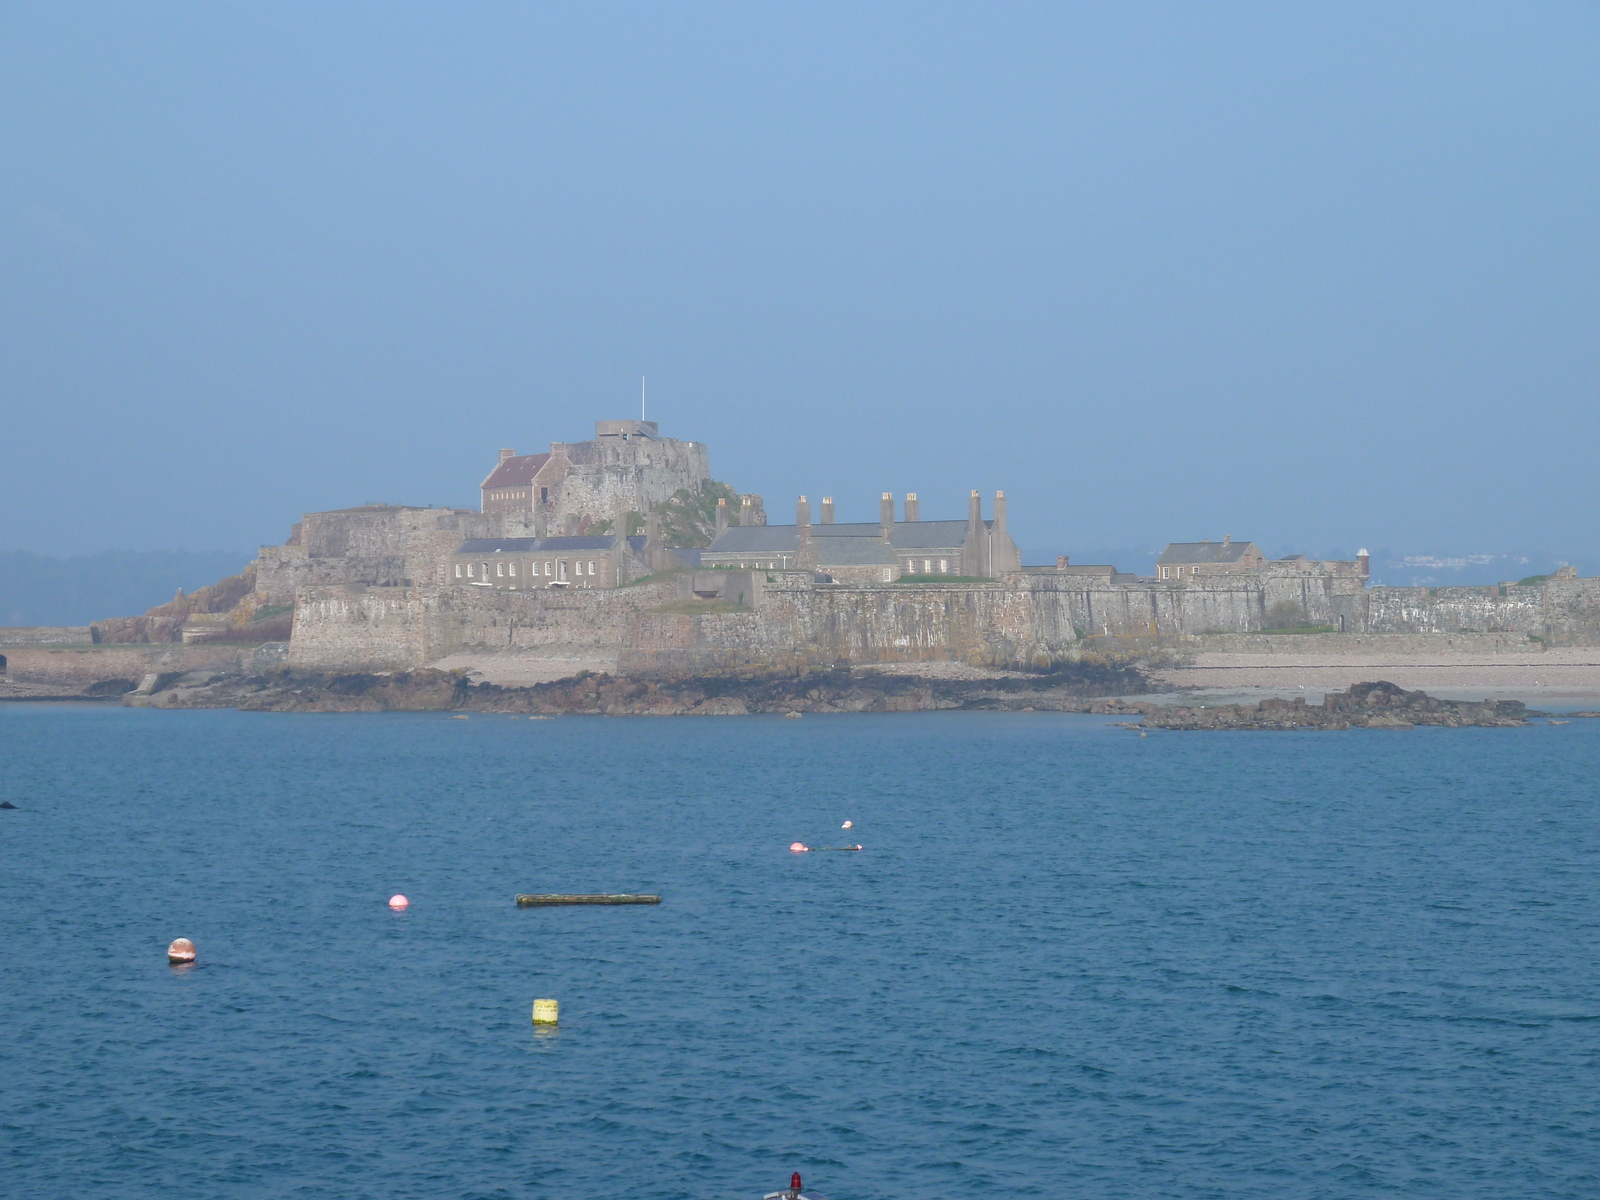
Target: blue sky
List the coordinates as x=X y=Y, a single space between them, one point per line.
x=1320 y=276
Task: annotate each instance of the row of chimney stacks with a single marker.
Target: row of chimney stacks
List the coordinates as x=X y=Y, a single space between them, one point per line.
x=913 y=509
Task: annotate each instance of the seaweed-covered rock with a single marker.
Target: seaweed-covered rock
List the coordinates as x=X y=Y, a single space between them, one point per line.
x=1378 y=705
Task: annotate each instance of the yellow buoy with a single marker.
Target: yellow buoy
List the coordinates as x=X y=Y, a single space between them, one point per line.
x=546 y=1012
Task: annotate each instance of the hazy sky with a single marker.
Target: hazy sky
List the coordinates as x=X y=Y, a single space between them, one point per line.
x=1319 y=275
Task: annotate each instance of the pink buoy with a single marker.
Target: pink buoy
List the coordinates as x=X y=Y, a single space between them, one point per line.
x=399 y=903
x=799 y=847
x=846 y=825
x=181 y=951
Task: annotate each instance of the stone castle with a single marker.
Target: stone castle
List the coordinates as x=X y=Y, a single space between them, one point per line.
x=621 y=554
x=567 y=558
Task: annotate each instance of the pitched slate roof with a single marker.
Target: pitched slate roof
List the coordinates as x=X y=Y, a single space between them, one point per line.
x=1204 y=552
x=553 y=545
x=852 y=551
x=757 y=539
x=515 y=472
x=930 y=535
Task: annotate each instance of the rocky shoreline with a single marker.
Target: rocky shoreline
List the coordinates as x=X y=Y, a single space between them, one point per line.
x=1072 y=688
x=1378 y=705
x=1076 y=688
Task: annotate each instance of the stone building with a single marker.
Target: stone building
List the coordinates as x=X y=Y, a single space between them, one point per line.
x=527 y=564
x=628 y=467
x=867 y=552
x=1188 y=559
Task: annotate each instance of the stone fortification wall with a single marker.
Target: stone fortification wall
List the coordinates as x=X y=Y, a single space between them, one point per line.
x=802 y=624
x=1363 y=645
x=1512 y=609
x=76 y=669
x=354 y=627
x=1021 y=620
x=1204 y=605
x=388 y=628
x=1571 y=611
x=380 y=546
x=610 y=476
x=45 y=635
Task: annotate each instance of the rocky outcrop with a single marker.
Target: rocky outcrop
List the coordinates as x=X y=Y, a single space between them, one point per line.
x=1082 y=688
x=164 y=623
x=1377 y=705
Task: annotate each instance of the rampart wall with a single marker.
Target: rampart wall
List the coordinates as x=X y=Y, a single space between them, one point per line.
x=45 y=635
x=81 y=667
x=1513 y=609
x=1571 y=612
x=1022 y=620
x=389 y=546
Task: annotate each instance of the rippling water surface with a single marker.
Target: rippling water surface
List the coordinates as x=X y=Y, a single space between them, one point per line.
x=1070 y=962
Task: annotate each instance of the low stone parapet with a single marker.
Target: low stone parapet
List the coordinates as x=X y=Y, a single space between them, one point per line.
x=45 y=635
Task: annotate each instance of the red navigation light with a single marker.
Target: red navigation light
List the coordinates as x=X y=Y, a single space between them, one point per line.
x=794 y=1182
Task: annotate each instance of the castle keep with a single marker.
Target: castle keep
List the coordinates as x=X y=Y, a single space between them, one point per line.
x=628 y=467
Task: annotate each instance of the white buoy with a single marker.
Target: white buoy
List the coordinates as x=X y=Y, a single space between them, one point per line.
x=181 y=951
x=399 y=903
x=546 y=1012
x=847 y=825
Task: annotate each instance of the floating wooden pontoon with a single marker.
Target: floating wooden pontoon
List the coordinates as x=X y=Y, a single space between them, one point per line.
x=531 y=901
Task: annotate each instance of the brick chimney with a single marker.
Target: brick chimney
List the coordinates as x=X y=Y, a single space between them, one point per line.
x=999 y=514
x=886 y=512
x=1364 y=561
x=913 y=509
x=827 y=510
x=1227 y=539
x=802 y=513
x=722 y=514
x=507 y=453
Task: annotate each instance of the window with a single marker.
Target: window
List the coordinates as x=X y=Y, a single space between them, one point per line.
x=591 y=567
x=888 y=574
x=927 y=567
x=548 y=569
x=944 y=566
x=469 y=570
x=458 y=570
x=513 y=570
x=500 y=569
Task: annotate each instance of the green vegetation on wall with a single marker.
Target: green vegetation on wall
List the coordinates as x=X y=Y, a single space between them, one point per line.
x=690 y=521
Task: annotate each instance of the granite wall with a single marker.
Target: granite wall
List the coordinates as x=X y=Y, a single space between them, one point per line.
x=45 y=635
x=1019 y=620
x=1512 y=609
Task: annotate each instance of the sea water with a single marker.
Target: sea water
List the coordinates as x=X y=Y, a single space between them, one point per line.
x=1069 y=961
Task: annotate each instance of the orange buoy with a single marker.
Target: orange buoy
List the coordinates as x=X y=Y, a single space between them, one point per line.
x=799 y=847
x=181 y=951
x=399 y=903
